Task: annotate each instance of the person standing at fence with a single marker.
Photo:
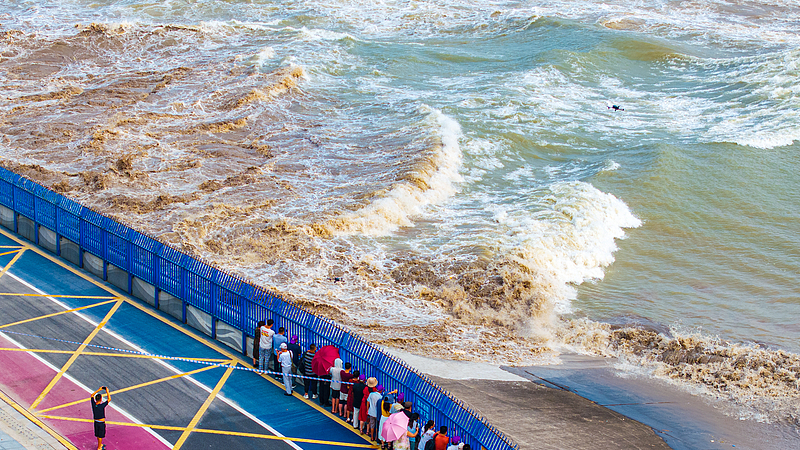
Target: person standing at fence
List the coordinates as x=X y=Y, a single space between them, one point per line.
x=440 y=439
x=324 y=385
x=454 y=443
x=278 y=339
x=427 y=434
x=363 y=415
x=309 y=384
x=285 y=360
x=358 y=397
x=297 y=354
x=336 y=384
x=344 y=392
x=265 y=345
x=99 y=414
x=386 y=406
x=373 y=401
x=348 y=403
x=413 y=430
x=257 y=342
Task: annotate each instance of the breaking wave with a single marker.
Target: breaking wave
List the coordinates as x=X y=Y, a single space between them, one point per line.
x=429 y=182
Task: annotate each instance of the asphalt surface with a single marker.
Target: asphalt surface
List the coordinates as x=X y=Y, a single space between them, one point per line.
x=155 y=404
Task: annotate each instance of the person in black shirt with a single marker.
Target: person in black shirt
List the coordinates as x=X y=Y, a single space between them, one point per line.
x=99 y=413
x=358 y=397
x=310 y=385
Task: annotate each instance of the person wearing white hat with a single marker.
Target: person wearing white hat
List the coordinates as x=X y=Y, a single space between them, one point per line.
x=285 y=359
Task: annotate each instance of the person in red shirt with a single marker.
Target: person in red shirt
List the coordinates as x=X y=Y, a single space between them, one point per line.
x=344 y=392
x=440 y=439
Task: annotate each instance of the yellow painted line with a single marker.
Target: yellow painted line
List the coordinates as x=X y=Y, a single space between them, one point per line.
x=111 y=422
x=136 y=386
x=95 y=297
x=38 y=422
x=76 y=354
x=13 y=251
x=115 y=355
x=13 y=261
x=55 y=314
x=202 y=410
x=267 y=436
x=12 y=246
x=207 y=431
x=149 y=311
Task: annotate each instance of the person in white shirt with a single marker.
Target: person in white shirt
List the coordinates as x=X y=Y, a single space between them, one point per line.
x=336 y=384
x=265 y=345
x=427 y=434
x=285 y=360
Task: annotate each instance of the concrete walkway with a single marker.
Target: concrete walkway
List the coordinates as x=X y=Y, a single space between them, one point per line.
x=17 y=432
x=64 y=333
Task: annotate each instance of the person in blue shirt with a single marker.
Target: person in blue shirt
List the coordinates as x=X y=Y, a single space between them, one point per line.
x=278 y=339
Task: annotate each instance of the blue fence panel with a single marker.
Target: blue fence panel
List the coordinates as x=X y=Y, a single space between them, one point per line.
x=259 y=307
x=7 y=180
x=344 y=347
x=327 y=332
x=93 y=236
x=295 y=320
x=117 y=245
x=46 y=202
x=171 y=271
x=7 y=194
x=69 y=219
x=143 y=260
x=229 y=306
x=24 y=200
x=389 y=372
x=486 y=436
x=458 y=416
x=199 y=288
x=360 y=354
x=306 y=335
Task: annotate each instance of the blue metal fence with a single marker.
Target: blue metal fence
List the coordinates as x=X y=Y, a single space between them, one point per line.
x=233 y=300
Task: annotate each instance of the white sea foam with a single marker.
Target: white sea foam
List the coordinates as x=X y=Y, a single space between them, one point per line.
x=408 y=199
x=318 y=34
x=570 y=241
x=264 y=55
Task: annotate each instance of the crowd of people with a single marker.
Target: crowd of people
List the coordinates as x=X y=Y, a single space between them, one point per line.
x=359 y=400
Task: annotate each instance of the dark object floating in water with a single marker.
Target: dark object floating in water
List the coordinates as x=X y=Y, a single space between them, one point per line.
x=615 y=108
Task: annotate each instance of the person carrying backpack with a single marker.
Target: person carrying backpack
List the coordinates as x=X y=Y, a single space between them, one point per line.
x=427 y=434
x=439 y=440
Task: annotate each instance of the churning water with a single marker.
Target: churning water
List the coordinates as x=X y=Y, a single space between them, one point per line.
x=442 y=176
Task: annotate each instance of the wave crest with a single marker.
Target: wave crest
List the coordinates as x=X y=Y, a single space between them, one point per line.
x=432 y=181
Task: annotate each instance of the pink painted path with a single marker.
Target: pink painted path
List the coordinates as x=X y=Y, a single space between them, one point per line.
x=23 y=377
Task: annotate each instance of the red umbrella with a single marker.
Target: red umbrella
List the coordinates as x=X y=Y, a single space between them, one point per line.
x=323 y=360
x=395 y=426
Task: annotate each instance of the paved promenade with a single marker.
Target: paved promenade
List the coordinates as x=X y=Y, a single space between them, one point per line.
x=65 y=333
